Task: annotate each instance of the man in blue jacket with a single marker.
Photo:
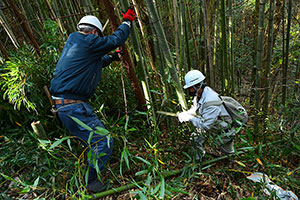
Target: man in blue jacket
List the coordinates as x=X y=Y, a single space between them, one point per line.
x=76 y=76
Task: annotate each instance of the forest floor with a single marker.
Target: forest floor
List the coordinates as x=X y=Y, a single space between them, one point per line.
x=225 y=178
x=31 y=169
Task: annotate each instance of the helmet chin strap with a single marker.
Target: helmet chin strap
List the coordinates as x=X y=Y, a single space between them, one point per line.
x=198 y=89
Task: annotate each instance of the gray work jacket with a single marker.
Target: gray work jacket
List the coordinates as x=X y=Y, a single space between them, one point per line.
x=212 y=118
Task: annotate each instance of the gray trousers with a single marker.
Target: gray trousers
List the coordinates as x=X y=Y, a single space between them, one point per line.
x=224 y=141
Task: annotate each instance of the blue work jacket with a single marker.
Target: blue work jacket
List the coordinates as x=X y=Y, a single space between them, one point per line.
x=79 y=67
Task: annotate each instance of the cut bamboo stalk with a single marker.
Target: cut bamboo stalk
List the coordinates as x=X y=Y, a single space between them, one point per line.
x=39 y=130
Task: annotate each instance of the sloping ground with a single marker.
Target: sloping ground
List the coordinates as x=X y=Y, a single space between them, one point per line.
x=227 y=178
x=31 y=170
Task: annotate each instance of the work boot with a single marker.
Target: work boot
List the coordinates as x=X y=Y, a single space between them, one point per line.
x=227 y=148
x=197 y=146
x=96 y=186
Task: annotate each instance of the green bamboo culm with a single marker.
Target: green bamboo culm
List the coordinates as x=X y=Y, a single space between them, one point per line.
x=224 y=58
x=259 y=57
x=163 y=43
x=140 y=62
x=269 y=58
x=286 y=64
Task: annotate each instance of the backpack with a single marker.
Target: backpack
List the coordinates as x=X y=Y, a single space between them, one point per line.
x=236 y=111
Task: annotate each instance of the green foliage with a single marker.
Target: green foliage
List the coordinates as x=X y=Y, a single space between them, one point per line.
x=25 y=74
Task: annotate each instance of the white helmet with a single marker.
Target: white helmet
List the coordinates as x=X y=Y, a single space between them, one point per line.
x=192 y=78
x=91 y=20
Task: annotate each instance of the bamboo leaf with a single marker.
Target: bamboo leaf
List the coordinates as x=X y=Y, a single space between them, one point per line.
x=143 y=160
x=36 y=182
x=156 y=188
x=101 y=131
x=177 y=190
x=141 y=172
x=124 y=156
x=58 y=142
x=142 y=195
x=11 y=179
x=90 y=138
x=258 y=160
x=83 y=125
x=162 y=188
x=149 y=144
x=126 y=124
x=240 y=163
x=69 y=144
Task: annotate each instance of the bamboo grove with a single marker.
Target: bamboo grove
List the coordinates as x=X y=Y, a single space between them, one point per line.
x=247 y=49
x=175 y=36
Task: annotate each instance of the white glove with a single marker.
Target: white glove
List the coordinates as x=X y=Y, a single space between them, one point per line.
x=192 y=110
x=184 y=117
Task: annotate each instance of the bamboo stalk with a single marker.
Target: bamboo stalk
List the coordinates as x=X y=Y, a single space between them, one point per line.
x=176 y=33
x=127 y=62
x=25 y=27
x=163 y=43
x=231 y=59
x=190 y=23
x=208 y=42
x=224 y=65
x=39 y=130
x=259 y=55
x=147 y=45
x=3 y=51
x=285 y=67
x=269 y=58
x=186 y=36
x=54 y=16
x=8 y=30
x=183 y=67
x=141 y=63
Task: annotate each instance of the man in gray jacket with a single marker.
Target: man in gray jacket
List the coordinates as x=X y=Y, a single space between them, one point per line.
x=209 y=119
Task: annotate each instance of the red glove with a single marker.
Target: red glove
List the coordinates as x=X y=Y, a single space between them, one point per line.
x=129 y=14
x=116 y=55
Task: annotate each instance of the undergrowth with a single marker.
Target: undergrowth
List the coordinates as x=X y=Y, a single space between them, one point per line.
x=54 y=168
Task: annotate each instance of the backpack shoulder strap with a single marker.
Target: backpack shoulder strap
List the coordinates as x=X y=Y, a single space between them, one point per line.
x=212 y=103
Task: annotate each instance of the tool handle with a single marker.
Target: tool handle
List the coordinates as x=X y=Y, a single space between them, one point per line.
x=167 y=113
x=48 y=95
